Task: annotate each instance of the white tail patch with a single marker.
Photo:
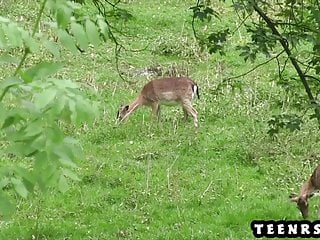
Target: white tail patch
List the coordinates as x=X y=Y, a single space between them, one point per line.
x=195 y=88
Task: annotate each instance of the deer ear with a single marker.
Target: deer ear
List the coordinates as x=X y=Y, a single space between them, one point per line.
x=293 y=197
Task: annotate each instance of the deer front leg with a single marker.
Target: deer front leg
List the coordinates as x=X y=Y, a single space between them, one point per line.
x=155 y=111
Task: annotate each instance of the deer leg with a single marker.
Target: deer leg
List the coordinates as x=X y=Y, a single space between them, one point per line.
x=189 y=109
x=185 y=114
x=155 y=111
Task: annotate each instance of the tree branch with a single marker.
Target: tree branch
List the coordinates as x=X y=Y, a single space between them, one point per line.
x=285 y=46
x=26 y=49
x=255 y=67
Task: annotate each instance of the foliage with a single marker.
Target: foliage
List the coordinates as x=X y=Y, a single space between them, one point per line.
x=288 y=121
x=165 y=181
x=35 y=103
x=275 y=28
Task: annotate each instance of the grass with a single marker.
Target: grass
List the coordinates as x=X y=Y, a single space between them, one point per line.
x=168 y=181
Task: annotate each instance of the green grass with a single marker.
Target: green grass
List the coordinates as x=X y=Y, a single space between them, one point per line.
x=144 y=180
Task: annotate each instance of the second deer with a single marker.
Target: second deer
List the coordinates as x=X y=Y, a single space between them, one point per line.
x=307 y=191
x=166 y=91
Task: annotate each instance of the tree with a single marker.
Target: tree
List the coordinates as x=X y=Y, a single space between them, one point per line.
x=35 y=103
x=277 y=27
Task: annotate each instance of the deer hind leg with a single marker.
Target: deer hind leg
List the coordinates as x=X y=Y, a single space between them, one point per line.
x=189 y=109
x=185 y=114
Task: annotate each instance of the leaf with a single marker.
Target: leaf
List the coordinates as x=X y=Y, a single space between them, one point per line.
x=19 y=187
x=80 y=35
x=9 y=82
x=70 y=174
x=27 y=176
x=63 y=184
x=64 y=158
x=92 y=33
x=44 y=98
x=8 y=122
x=103 y=27
x=63 y=16
x=13 y=34
x=67 y=41
x=7 y=59
x=4 y=182
x=34 y=128
x=4 y=20
x=41 y=70
x=30 y=42
x=13 y=117
x=52 y=47
x=3 y=40
x=6 y=207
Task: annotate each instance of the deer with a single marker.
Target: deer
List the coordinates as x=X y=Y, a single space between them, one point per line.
x=307 y=191
x=164 y=91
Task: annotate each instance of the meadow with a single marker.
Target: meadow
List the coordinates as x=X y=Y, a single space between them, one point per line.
x=167 y=180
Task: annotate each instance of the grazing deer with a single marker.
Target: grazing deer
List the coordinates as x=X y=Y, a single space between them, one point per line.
x=167 y=91
x=306 y=192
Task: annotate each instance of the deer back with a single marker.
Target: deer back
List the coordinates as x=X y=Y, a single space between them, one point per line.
x=169 y=89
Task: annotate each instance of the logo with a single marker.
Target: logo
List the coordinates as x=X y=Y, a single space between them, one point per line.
x=288 y=229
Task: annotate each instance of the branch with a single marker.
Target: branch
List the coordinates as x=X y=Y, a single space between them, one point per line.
x=193 y=19
x=118 y=46
x=285 y=46
x=26 y=49
x=254 y=68
x=241 y=23
x=312 y=77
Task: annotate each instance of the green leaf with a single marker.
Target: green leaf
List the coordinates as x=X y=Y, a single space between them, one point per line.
x=52 y=47
x=63 y=84
x=41 y=70
x=63 y=184
x=92 y=33
x=30 y=42
x=8 y=122
x=80 y=35
x=63 y=16
x=34 y=128
x=70 y=174
x=103 y=27
x=7 y=59
x=4 y=20
x=8 y=82
x=14 y=35
x=6 y=207
x=3 y=40
x=67 y=41
x=44 y=98
x=4 y=182
x=19 y=187
x=27 y=176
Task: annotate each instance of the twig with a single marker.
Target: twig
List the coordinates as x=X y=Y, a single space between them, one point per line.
x=118 y=46
x=312 y=77
x=241 y=23
x=26 y=49
x=254 y=68
x=193 y=19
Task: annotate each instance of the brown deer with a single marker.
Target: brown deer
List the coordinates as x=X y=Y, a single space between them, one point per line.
x=166 y=91
x=306 y=192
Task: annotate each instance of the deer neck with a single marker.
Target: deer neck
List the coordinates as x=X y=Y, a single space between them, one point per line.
x=307 y=189
x=136 y=103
